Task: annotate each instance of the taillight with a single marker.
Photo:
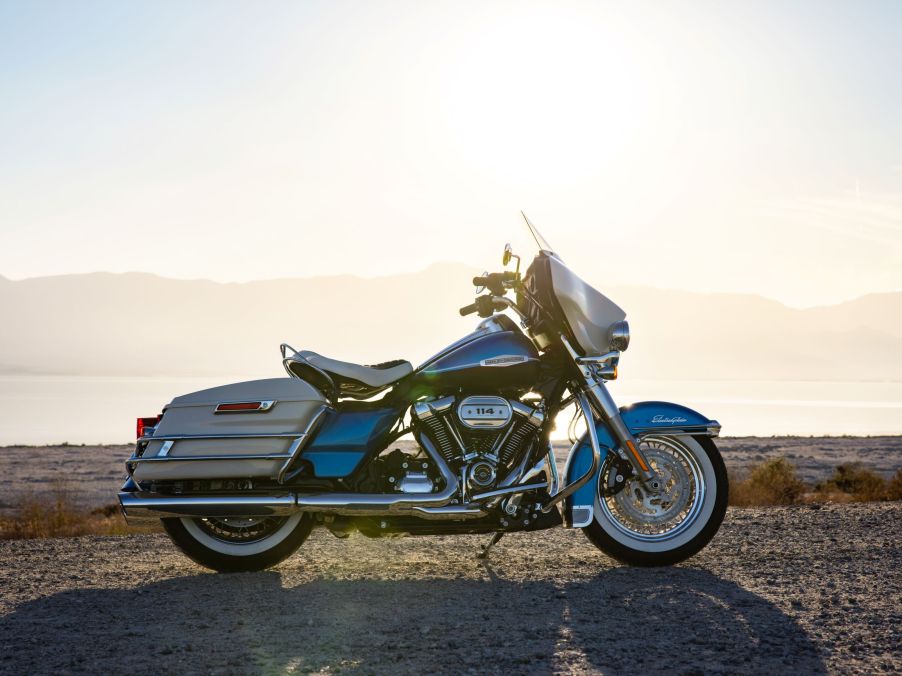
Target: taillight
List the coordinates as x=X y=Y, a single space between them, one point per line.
x=146 y=424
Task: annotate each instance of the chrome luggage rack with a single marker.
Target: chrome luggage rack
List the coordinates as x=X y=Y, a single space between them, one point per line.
x=299 y=441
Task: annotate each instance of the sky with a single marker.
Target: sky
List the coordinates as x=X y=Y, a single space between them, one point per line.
x=710 y=146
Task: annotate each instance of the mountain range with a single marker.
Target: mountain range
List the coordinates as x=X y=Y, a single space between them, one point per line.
x=142 y=324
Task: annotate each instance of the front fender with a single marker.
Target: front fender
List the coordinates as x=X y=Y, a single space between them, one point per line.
x=646 y=417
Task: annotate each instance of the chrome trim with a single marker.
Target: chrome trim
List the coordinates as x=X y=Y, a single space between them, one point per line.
x=511 y=305
x=165 y=448
x=551 y=470
x=477 y=401
x=599 y=359
x=707 y=430
x=426 y=409
x=519 y=488
x=472 y=365
x=533 y=415
x=259 y=435
x=142 y=506
x=571 y=488
x=265 y=405
x=449 y=512
x=415 y=482
x=619 y=335
x=190 y=458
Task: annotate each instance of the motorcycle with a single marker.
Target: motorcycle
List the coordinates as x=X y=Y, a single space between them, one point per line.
x=241 y=474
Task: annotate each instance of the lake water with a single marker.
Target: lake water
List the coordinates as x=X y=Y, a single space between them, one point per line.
x=90 y=410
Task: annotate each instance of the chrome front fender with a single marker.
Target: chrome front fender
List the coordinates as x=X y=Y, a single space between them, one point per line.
x=641 y=419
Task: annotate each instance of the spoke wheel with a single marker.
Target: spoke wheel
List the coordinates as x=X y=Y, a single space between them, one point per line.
x=240 y=531
x=237 y=544
x=659 y=528
x=655 y=516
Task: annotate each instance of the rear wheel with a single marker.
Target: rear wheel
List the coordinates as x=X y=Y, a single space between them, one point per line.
x=232 y=545
x=644 y=529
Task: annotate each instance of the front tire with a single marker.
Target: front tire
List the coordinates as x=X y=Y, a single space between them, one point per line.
x=235 y=545
x=640 y=529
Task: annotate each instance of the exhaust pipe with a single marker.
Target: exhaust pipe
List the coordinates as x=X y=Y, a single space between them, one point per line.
x=139 y=507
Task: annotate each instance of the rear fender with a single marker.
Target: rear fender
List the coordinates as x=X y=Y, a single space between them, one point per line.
x=643 y=418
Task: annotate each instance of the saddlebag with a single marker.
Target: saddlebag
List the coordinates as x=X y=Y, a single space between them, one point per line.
x=250 y=429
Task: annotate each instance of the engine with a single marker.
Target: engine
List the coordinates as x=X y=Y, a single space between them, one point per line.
x=480 y=437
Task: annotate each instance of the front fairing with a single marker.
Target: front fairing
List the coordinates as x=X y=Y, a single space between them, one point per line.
x=589 y=313
x=581 y=312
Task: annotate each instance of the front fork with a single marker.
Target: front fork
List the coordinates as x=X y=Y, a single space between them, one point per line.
x=607 y=409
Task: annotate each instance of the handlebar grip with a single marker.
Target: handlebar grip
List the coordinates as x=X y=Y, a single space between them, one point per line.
x=480 y=281
x=468 y=309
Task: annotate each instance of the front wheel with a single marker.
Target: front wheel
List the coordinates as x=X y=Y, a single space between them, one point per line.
x=232 y=545
x=641 y=528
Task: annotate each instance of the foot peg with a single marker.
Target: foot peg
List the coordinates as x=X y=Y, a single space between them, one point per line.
x=485 y=548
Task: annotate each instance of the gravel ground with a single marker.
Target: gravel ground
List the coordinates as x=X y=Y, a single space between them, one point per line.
x=812 y=589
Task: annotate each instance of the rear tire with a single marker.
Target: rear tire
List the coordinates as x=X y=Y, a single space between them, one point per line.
x=239 y=545
x=697 y=462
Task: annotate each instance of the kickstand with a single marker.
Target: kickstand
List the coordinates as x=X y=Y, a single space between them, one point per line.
x=485 y=548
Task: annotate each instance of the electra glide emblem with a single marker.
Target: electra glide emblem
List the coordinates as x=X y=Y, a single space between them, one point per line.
x=506 y=360
x=661 y=420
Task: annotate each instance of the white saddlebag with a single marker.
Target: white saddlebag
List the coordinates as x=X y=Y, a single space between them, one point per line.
x=243 y=430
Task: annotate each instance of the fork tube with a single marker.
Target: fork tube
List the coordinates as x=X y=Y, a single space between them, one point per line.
x=610 y=413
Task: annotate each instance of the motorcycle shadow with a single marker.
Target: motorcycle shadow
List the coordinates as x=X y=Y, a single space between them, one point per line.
x=678 y=620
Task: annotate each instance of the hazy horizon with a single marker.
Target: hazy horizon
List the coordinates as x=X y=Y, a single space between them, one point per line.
x=218 y=141
x=441 y=263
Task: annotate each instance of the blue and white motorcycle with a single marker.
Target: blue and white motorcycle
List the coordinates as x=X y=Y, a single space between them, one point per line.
x=240 y=474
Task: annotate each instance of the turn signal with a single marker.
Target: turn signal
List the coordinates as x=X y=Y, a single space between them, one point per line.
x=608 y=372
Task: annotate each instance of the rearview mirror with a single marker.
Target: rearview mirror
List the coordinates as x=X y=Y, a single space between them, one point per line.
x=508 y=253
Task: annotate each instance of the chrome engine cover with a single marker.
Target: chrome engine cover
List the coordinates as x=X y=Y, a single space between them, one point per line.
x=482 y=412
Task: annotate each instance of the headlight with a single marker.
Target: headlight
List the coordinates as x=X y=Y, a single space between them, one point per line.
x=620 y=336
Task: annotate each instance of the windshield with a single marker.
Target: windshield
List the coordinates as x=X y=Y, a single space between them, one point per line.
x=541 y=241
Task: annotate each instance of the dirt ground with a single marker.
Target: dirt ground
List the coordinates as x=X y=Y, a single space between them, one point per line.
x=93 y=474
x=809 y=590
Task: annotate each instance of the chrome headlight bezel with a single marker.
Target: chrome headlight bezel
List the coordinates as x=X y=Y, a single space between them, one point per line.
x=619 y=336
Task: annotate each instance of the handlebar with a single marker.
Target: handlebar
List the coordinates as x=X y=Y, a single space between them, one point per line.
x=497 y=281
x=468 y=309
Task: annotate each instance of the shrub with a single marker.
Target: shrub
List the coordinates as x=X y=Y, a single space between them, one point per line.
x=773 y=482
x=860 y=483
x=59 y=515
x=894 y=486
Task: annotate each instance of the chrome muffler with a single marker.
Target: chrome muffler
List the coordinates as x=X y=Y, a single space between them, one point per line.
x=141 y=507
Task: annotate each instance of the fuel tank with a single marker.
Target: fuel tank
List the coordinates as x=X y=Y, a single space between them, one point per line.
x=496 y=357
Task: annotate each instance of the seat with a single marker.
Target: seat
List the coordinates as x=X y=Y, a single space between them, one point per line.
x=354 y=380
